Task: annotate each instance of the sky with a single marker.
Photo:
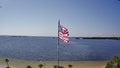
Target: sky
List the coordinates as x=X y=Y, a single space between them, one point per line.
x=83 y=18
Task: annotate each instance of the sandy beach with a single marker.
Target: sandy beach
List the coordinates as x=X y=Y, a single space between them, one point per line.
x=50 y=64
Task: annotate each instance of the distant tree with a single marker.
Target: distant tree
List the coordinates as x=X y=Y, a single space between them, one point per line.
x=40 y=65
x=70 y=66
x=7 y=60
x=28 y=66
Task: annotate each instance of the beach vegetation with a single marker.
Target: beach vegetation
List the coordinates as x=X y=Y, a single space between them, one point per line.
x=7 y=67
x=7 y=61
x=114 y=63
x=28 y=66
x=118 y=65
x=70 y=66
x=40 y=65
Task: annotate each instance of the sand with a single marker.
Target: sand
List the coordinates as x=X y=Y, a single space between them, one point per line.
x=50 y=64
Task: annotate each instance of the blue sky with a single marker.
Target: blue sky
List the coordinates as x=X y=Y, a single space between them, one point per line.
x=84 y=18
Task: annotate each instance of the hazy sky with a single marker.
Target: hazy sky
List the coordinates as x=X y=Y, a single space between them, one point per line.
x=40 y=17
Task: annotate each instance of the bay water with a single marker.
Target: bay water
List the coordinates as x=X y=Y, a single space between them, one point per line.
x=45 y=48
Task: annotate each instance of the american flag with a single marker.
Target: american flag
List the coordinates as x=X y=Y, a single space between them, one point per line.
x=63 y=33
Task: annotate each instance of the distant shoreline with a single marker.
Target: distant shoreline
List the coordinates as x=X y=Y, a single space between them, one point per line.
x=111 y=38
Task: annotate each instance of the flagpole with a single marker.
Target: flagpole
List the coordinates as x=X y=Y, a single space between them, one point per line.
x=63 y=34
x=58 y=46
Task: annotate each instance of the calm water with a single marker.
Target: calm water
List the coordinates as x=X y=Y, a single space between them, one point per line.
x=44 y=48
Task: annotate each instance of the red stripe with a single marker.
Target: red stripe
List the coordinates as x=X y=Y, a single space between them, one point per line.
x=64 y=34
